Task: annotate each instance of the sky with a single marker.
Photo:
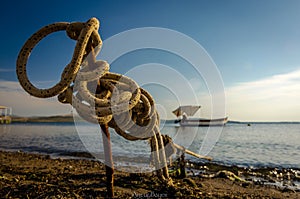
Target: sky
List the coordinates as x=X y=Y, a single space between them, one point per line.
x=255 y=46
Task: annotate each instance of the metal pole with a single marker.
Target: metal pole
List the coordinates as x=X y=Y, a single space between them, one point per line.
x=109 y=166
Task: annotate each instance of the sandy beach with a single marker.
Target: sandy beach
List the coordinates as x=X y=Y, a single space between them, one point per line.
x=25 y=175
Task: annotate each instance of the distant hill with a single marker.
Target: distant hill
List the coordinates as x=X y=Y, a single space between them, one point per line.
x=57 y=118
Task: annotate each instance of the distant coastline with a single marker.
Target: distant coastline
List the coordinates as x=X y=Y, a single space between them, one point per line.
x=43 y=119
x=70 y=119
x=262 y=122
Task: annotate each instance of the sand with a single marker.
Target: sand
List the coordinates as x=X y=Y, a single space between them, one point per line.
x=24 y=175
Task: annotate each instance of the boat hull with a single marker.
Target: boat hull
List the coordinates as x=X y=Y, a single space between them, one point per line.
x=203 y=122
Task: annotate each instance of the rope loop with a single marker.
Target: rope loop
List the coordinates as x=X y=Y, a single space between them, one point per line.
x=88 y=35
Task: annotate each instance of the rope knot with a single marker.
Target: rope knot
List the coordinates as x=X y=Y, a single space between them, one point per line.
x=98 y=95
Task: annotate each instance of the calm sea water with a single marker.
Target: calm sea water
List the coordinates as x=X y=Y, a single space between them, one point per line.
x=263 y=144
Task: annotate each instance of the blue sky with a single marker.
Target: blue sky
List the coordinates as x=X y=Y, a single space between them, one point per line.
x=255 y=45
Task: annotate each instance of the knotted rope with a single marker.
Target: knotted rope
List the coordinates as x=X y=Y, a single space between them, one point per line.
x=98 y=95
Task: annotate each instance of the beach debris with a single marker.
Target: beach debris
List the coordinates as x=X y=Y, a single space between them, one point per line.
x=190 y=182
x=229 y=175
x=3 y=177
x=99 y=96
x=178 y=170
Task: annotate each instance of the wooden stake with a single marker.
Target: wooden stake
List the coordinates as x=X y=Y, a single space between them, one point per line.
x=182 y=166
x=109 y=165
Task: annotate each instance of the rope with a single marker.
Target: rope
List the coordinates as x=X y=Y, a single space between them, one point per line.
x=98 y=95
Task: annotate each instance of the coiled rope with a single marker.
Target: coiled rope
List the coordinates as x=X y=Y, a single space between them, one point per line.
x=98 y=95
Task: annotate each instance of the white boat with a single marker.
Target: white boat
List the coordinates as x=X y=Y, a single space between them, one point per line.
x=183 y=112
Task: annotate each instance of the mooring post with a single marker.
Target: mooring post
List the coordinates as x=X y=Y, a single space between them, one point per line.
x=109 y=165
x=182 y=165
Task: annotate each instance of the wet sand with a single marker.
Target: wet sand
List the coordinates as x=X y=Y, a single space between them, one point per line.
x=24 y=175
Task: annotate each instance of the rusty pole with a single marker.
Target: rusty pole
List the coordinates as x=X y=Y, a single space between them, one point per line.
x=109 y=165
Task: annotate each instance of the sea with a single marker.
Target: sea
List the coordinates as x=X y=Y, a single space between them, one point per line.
x=240 y=144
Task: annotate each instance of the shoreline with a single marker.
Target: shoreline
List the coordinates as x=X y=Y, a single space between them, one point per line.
x=35 y=175
x=88 y=156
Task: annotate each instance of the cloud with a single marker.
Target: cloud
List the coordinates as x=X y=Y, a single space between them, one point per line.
x=7 y=70
x=12 y=95
x=9 y=86
x=275 y=98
